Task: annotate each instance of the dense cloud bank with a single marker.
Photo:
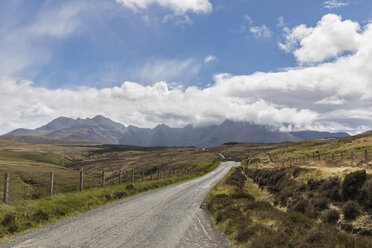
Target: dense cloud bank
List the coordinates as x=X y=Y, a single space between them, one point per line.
x=332 y=90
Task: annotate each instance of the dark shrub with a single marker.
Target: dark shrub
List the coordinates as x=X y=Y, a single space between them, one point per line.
x=352 y=185
x=335 y=195
x=300 y=205
x=245 y=232
x=315 y=237
x=9 y=219
x=242 y=194
x=222 y=201
x=130 y=187
x=40 y=216
x=297 y=172
x=367 y=193
x=320 y=203
x=296 y=220
x=107 y=197
x=119 y=194
x=59 y=212
x=330 y=216
x=229 y=213
x=351 y=210
x=283 y=195
x=236 y=178
x=248 y=172
x=12 y=228
x=275 y=177
x=314 y=184
x=331 y=188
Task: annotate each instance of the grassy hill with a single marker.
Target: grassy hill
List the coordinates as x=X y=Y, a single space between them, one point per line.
x=29 y=164
x=303 y=194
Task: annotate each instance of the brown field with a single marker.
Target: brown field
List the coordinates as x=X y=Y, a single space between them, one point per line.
x=30 y=164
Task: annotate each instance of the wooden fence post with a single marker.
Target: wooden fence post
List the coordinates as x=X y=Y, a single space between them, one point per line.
x=133 y=176
x=366 y=155
x=103 y=177
x=51 y=183
x=6 y=185
x=119 y=176
x=143 y=175
x=81 y=181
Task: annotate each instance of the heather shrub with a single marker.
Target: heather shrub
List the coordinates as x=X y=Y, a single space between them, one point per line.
x=351 y=210
x=352 y=184
x=237 y=178
x=330 y=216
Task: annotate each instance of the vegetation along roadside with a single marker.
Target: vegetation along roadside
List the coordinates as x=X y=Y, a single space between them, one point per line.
x=305 y=203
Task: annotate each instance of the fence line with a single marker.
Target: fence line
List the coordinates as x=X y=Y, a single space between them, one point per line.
x=353 y=157
x=48 y=184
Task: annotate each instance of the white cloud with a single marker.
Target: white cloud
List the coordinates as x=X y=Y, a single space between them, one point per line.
x=260 y=31
x=281 y=22
x=257 y=31
x=25 y=46
x=330 y=38
x=332 y=100
x=333 y=4
x=168 y=70
x=179 y=7
x=210 y=58
x=334 y=96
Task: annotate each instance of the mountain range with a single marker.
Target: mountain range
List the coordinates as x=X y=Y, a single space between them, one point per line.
x=103 y=130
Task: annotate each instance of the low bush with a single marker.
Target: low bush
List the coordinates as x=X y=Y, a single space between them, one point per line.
x=320 y=203
x=315 y=237
x=367 y=193
x=242 y=194
x=352 y=184
x=228 y=213
x=351 y=210
x=237 y=178
x=40 y=216
x=299 y=205
x=8 y=220
x=330 y=216
x=331 y=188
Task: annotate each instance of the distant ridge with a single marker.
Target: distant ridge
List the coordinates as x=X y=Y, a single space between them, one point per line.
x=312 y=135
x=103 y=130
x=367 y=133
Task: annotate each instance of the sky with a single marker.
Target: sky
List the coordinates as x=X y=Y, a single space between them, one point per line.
x=289 y=64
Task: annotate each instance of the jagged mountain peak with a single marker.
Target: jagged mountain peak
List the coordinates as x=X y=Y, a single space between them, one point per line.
x=103 y=130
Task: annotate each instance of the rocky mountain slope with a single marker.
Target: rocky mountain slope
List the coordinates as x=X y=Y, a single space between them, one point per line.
x=103 y=130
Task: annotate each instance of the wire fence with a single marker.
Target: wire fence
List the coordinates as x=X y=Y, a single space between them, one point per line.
x=358 y=158
x=39 y=185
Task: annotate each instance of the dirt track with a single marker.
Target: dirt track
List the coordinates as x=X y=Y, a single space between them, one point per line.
x=166 y=217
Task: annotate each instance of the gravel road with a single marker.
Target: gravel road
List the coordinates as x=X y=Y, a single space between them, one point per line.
x=166 y=217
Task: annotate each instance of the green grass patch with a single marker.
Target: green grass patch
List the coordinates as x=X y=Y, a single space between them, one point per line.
x=9 y=155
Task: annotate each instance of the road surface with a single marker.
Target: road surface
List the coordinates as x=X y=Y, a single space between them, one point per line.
x=166 y=217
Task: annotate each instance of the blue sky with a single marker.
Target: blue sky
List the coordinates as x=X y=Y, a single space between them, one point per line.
x=84 y=46
x=112 y=45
